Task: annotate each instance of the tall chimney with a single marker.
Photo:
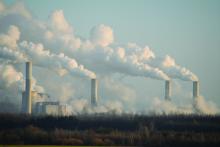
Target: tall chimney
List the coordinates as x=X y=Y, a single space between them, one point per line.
x=195 y=89
x=167 y=90
x=28 y=87
x=94 y=88
x=24 y=101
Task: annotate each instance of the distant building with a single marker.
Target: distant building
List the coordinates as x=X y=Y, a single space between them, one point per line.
x=50 y=108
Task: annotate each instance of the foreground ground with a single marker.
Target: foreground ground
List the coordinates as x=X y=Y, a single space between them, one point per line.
x=125 y=130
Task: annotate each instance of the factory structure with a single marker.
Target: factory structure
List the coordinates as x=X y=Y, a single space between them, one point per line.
x=48 y=107
x=38 y=103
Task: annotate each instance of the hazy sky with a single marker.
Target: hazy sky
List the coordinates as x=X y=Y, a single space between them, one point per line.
x=188 y=30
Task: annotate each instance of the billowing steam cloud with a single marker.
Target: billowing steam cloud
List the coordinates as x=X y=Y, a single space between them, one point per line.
x=102 y=35
x=169 y=66
x=10 y=39
x=168 y=107
x=99 y=57
x=9 y=55
x=9 y=76
x=59 y=63
x=8 y=46
x=108 y=60
x=11 y=86
x=166 y=64
x=38 y=55
x=59 y=23
x=53 y=44
x=95 y=54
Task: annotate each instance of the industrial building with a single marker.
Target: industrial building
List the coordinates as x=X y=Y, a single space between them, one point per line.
x=30 y=105
x=50 y=108
x=41 y=107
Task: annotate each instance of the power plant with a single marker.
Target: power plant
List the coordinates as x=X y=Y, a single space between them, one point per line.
x=94 y=95
x=40 y=107
x=167 y=90
x=48 y=107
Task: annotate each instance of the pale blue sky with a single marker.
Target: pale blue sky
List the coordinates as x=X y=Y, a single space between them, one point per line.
x=188 y=30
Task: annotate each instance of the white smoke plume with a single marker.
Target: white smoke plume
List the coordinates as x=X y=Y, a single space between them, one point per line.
x=8 y=55
x=205 y=107
x=60 y=38
x=11 y=87
x=118 y=92
x=59 y=23
x=82 y=106
x=167 y=64
x=95 y=53
x=11 y=83
x=41 y=57
x=199 y=106
x=9 y=76
x=161 y=106
x=38 y=55
x=102 y=58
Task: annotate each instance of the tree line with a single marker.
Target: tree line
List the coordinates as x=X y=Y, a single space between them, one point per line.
x=123 y=130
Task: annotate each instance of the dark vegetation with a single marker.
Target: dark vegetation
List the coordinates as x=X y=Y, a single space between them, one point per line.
x=126 y=130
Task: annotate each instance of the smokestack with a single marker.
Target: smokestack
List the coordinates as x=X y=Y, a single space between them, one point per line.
x=28 y=87
x=195 y=89
x=167 y=90
x=94 y=88
x=24 y=101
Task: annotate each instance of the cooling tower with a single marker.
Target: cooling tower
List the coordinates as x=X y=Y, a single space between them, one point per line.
x=28 y=87
x=94 y=88
x=195 y=89
x=167 y=90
